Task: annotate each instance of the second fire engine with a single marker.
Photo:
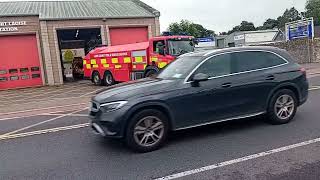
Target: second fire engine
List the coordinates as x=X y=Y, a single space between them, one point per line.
x=108 y=65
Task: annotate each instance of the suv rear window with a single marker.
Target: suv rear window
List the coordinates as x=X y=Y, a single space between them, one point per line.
x=253 y=60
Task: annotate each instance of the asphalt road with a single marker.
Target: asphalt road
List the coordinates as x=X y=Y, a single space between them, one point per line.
x=65 y=148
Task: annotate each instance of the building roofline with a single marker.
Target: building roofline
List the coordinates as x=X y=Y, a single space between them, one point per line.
x=259 y=31
x=147 y=7
x=149 y=11
x=92 y=18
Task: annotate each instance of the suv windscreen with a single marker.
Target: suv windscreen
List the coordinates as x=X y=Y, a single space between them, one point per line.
x=180 y=68
x=178 y=47
x=253 y=60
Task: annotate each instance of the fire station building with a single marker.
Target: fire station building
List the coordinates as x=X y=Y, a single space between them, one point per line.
x=38 y=39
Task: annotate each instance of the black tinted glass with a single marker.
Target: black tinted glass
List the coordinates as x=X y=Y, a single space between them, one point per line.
x=24 y=70
x=24 y=77
x=35 y=76
x=246 y=61
x=13 y=78
x=35 y=69
x=3 y=79
x=13 y=71
x=216 y=66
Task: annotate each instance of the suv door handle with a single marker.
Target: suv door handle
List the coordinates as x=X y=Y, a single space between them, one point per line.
x=226 y=85
x=270 y=78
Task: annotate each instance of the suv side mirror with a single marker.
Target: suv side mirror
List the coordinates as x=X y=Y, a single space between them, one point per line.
x=200 y=77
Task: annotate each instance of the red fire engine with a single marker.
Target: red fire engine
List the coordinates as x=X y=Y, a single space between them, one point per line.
x=108 y=65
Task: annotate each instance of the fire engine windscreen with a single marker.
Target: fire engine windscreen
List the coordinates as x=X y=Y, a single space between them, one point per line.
x=179 y=47
x=180 y=68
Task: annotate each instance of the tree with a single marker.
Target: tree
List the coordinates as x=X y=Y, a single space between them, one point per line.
x=288 y=16
x=244 y=26
x=190 y=28
x=313 y=10
x=269 y=24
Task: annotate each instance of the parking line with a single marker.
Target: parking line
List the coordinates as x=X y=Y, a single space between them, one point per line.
x=20 y=117
x=314 y=88
x=239 y=160
x=72 y=115
x=55 y=113
x=37 y=124
x=45 y=131
x=31 y=110
x=86 y=94
x=36 y=94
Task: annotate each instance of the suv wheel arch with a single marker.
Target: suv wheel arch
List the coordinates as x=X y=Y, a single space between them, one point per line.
x=289 y=86
x=149 y=105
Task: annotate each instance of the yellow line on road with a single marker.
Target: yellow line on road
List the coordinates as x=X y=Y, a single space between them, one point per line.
x=45 y=131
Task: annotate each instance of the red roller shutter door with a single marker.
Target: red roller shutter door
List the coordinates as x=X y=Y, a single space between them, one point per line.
x=19 y=64
x=119 y=36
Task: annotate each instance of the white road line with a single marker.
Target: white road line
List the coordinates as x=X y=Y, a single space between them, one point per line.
x=56 y=113
x=72 y=115
x=31 y=110
x=314 y=88
x=37 y=124
x=45 y=131
x=45 y=100
x=20 y=117
x=235 y=161
x=37 y=93
x=86 y=94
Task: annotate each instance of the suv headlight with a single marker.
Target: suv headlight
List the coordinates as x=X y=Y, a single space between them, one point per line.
x=108 y=107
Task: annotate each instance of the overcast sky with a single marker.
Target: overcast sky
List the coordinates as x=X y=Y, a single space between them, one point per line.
x=221 y=15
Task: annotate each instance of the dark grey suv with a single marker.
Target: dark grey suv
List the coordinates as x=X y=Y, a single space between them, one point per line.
x=200 y=89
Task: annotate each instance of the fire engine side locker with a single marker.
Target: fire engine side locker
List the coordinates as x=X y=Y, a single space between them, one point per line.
x=139 y=64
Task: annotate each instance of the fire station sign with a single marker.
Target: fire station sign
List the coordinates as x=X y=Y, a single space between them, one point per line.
x=300 y=29
x=11 y=26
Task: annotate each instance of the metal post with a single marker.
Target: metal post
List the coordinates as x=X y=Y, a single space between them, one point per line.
x=309 y=56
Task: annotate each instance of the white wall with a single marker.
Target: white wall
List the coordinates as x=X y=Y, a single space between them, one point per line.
x=260 y=37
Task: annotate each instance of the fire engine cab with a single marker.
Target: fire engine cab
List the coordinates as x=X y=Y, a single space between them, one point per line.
x=108 y=65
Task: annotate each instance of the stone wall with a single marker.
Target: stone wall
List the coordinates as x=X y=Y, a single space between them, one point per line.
x=303 y=50
x=316 y=50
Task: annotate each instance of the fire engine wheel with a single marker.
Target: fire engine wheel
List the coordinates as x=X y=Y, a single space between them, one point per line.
x=96 y=79
x=108 y=79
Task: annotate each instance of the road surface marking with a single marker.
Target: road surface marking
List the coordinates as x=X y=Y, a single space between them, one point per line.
x=86 y=94
x=31 y=110
x=235 y=161
x=37 y=124
x=312 y=88
x=45 y=131
x=72 y=115
x=57 y=113
x=37 y=92
x=20 y=117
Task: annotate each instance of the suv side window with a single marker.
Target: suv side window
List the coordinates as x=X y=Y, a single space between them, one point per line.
x=253 y=60
x=216 y=66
